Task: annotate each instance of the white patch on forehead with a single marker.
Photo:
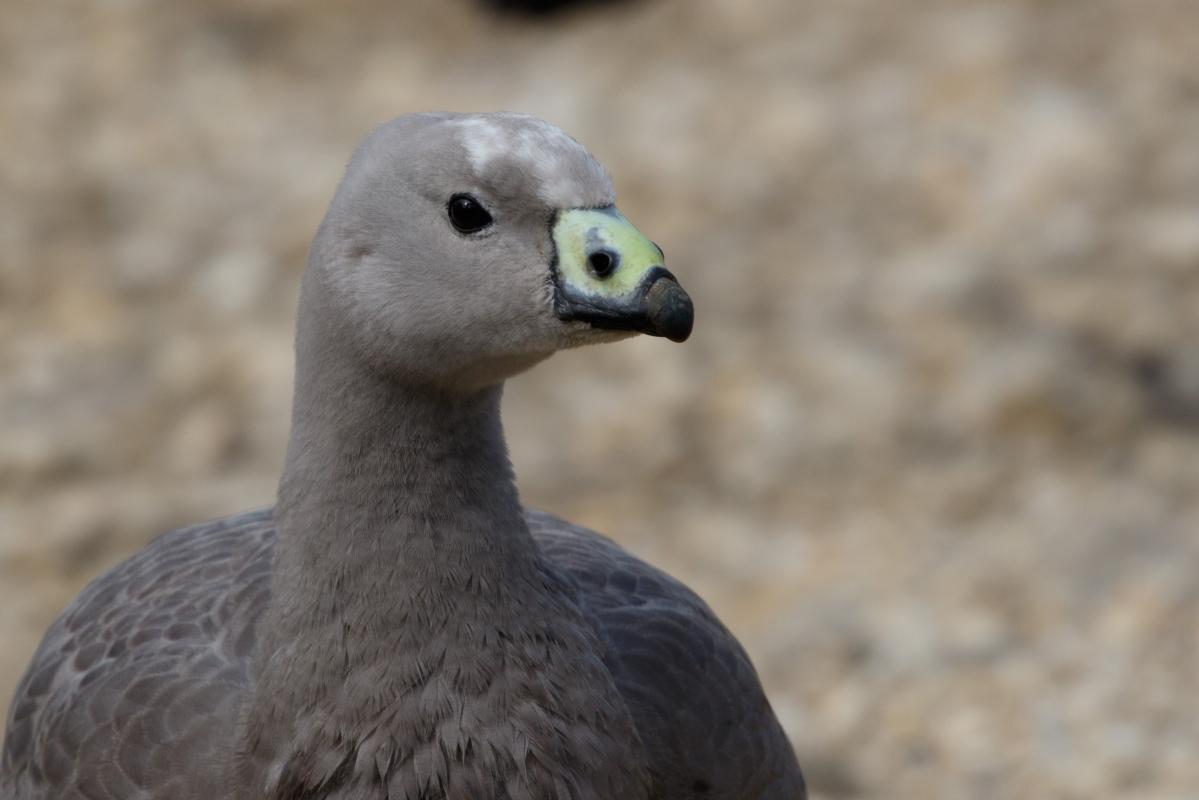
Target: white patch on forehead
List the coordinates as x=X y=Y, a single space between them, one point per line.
x=484 y=140
x=554 y=159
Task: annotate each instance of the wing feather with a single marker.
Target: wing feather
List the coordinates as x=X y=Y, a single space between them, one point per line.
x=693 y=691
x=139 y=678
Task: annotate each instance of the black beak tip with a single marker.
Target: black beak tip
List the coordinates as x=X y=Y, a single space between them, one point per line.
x=671 y=312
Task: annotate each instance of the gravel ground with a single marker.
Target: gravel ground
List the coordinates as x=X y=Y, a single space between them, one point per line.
x=933 y=451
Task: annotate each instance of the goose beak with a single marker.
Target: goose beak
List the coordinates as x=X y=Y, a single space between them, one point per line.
x=607 y=273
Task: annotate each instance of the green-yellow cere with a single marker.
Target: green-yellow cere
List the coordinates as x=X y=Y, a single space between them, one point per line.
x=579 y=230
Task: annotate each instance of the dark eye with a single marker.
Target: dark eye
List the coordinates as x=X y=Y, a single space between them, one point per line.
x=467 y=214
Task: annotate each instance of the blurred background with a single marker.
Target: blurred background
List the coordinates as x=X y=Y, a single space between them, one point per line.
x=932 y=452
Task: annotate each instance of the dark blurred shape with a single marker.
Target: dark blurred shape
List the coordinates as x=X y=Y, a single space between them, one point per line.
x=542 y=8
x=1170 y=386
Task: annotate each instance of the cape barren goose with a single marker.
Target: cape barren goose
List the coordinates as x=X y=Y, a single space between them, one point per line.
x=399 y=626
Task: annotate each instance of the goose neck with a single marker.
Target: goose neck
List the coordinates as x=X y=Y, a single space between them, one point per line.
x=394 y=497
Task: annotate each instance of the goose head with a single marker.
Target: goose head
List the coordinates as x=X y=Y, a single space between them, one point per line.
x=461 y=249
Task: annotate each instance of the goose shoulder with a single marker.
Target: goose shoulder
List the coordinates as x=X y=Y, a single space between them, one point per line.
x=141 y=675
x=692 y=690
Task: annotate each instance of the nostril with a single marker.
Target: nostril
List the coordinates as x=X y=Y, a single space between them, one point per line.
x=603 y=262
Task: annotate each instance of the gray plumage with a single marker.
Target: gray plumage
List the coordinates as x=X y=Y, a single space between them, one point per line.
x=398 y=626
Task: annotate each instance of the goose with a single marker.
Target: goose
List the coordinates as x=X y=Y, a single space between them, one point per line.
x=399 y=626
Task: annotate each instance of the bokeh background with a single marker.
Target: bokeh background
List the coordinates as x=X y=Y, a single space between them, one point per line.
x=932 y=452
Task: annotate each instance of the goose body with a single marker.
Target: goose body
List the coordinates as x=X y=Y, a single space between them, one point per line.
x=399 y=627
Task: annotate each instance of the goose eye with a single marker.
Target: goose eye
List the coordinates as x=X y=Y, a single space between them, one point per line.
x=467 y=214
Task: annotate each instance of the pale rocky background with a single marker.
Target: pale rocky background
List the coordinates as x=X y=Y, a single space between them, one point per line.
x=932 y=452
